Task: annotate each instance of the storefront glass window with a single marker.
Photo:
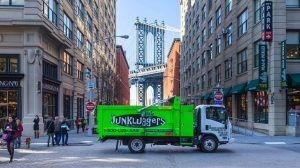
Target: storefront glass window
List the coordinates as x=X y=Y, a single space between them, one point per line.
x=261 y=107
x=2 y=64
x=242 y=106
x=8 y=105
x=49 y=105
x=293 y=107
x=228 y=105
x=67 y=106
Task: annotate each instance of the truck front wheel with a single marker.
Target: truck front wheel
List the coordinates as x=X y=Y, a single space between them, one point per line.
x=209 y=144
x=136 y=145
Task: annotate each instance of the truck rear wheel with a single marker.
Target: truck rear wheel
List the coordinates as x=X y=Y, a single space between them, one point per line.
x=136 y=145
x=209 y=144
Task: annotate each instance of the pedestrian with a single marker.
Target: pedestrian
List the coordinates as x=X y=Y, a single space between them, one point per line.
x=78 y=123
x=64 y=128
x=57 y=131
x=18 y=133
x=50 y=131
x=83 y=123
x=36 y=127
x=10 y=131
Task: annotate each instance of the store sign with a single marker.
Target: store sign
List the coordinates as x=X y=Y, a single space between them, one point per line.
x=218 y=96
x=263 y=67
x=137 y=120
x=266 y=21
x=50 y=87
x=9 y=84
x=283 y=64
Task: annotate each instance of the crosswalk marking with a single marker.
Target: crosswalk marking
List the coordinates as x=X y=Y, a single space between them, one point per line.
x=275 y=143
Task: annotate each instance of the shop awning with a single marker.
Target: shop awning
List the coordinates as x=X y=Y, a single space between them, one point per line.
x=293 y=80
x=227 y=91
x=207 y=96
x=239 y=88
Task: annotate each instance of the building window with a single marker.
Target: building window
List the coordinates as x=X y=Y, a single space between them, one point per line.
x=203 y=36
x=292 y=3
x=256 y=53
x=210 y=27
x=228 y=68
x=218 y=45
x=50 y=10
x=80 y=69
x=68 y=26
x=9 y=64
x=89 y=23
x=71 y=2
x=210 y=3
x=67 y=106
x=68 y=63
x=10 y=104
x=242 y=106
x=218 y=16
x=210 y=53
x=203 y=12
x=89 y=49
x=261 y=107
x=96 y=34
x=12 y=3
x=228 y=6
x=49 y=70
x=242 y=23
x=257 y=10
x=293 y=44
x=203 y=58
x=209 y=78
x=202 y=82
x=198 y=63
x=242 y=61
x=228 y=35
x=79 y=40
x=218 y=74
x=80 y=9
x=96 y=10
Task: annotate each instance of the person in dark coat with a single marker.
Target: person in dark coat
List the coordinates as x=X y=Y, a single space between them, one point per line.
x=50 y=131
x=11 y=129
x=57 y=131
x=36 y=127
x=64 y=128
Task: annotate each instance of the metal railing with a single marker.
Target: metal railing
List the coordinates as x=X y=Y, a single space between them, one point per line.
x=242 y=126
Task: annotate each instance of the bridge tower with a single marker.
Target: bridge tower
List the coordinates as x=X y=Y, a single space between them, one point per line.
x=149 y=73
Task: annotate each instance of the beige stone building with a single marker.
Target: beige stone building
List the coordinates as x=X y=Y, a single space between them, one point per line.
x=220 y=46
x=46 y=46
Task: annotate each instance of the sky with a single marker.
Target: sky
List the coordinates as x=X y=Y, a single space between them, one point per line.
x=160 y=10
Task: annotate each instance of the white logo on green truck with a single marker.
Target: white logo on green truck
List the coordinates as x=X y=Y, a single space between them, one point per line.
x=137 y=120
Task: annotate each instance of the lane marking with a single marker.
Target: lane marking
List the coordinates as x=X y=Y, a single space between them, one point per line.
x=275 y=143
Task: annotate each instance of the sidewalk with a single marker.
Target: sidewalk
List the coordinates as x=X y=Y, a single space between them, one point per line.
x=266 y=139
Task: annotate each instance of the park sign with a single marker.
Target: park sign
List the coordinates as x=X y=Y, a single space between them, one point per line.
x=266 y=21
x=263 y=67
x=283 y=64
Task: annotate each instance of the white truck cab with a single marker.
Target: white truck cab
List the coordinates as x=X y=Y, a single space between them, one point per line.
x=214 y=127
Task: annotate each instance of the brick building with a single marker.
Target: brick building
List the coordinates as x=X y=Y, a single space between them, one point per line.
x=171 y=80
x=122 y=92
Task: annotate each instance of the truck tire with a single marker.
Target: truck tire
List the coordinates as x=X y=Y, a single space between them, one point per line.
x=209 y=144
x=136 y=145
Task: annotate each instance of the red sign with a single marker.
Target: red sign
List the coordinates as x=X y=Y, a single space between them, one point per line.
x=90 y=106
x=218 y=96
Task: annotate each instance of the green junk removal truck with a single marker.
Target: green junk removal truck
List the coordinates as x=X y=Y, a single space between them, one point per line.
x=204 y=127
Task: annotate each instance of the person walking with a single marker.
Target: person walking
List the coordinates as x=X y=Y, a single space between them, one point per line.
x=50 y=131
x=57 y=131
x=78 y=124
x=64 y=128
x=36 y=127
x=83 y=123
x=10 y=131
x=18 y=133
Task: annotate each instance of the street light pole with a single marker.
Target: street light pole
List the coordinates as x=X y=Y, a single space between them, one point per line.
x=91 y=84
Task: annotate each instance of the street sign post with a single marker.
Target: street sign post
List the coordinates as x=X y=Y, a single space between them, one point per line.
x=218 y=96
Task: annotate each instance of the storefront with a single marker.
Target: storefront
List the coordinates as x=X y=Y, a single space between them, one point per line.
x=10 y=97
x=228 y=101
x=241 y=100
x=50 y=99
x=293 y=99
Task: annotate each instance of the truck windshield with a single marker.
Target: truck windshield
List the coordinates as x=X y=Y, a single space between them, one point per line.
x=217 y=114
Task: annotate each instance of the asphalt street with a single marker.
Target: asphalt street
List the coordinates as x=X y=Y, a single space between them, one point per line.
x=83 y=151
